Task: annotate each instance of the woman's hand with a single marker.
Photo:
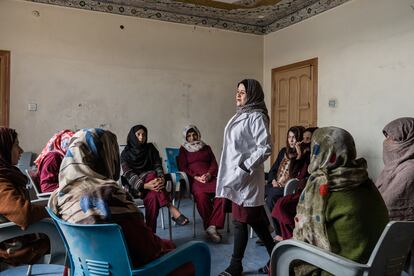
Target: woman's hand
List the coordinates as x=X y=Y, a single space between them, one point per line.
x=156 y=184
x=276 y=183
x=206 y=177
x=298 y=149
x=199 y=179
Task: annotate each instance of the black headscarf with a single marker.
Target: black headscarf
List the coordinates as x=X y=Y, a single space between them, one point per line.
x=140 y=157
x=255 y=98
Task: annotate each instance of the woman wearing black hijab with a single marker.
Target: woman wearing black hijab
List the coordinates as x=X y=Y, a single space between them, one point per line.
x=142 y=168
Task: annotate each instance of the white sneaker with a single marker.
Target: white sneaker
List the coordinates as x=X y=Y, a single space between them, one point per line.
x=212 y=234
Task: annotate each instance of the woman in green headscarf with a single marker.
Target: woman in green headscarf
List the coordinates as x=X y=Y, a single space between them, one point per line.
x=340 y=209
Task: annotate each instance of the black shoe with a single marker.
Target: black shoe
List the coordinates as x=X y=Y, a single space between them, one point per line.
x=226 y=273
x=233 y=270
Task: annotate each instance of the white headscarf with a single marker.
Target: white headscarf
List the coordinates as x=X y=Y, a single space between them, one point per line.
x=195 y=145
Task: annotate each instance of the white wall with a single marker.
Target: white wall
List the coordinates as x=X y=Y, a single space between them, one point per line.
x=84 y=71
x=366 y=62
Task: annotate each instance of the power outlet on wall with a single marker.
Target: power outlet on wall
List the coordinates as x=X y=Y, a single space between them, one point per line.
x=32 y=107
x=332 y=103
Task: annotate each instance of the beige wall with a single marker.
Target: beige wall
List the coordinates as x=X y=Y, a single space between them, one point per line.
x=366 y=62
x=84 y=71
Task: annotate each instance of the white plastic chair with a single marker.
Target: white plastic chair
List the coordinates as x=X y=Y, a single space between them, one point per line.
x=291 y=186
x=387 y=258
x=25 y=161
x=35 y=185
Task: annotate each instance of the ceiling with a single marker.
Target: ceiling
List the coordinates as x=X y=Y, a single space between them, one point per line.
x=247 y=16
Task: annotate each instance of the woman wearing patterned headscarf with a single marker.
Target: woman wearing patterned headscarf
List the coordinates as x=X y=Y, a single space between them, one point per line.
x=396 y=181
x=340 y=209
x=89 y=194
x=49 y=160
x=240 y=177
x=142 y=169
x=197 y=160
x=15 y=205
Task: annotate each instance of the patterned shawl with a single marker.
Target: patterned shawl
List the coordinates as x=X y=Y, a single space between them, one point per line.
x=88 y=192
x=333 y=168
x=59 y=143
x=396 y=181
x=255 y=98
x=195 y=145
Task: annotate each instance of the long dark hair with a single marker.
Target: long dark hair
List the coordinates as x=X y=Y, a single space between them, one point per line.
x=298 y=132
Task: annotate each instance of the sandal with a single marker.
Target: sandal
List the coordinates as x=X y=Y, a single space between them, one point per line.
x=181 y=220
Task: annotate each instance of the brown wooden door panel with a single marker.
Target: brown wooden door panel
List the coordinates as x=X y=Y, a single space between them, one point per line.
x=294 y=93
x=4 y=87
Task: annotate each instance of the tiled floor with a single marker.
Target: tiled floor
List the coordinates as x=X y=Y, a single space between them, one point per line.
x=255 y=256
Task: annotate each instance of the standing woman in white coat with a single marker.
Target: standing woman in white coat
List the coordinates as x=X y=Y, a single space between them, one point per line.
x=240 y=177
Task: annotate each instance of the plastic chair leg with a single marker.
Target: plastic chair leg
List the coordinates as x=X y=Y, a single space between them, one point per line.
x=169 y=224
x=228 y=222
x=194 y=222
x=162 y=219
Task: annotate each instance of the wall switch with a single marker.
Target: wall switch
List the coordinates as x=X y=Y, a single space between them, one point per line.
x=32 y=107
x=332 y=103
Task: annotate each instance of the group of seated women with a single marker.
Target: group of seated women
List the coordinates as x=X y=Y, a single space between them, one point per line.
x=143 y=175
x=337 y=207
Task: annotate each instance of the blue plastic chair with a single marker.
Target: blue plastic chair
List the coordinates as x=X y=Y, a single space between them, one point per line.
x=172 y=169
x=100 y=249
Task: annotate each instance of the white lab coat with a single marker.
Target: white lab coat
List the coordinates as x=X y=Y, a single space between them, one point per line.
x=247 y=141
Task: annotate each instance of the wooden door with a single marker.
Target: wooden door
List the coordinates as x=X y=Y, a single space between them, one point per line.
x=4 y=87
x=294 y=99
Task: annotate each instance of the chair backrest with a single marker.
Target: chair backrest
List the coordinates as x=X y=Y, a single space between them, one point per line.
x=95 y=249
x=390 y=253
x=172 y=155
x=121 y=148
x=57 y=253
x=291 y=186
x=34 y=181
x=25 y=161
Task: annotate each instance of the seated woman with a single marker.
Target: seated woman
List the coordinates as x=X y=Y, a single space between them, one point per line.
x=340 y=209
x=396 y=181
x=286 y=166
x=49 y=160
x=284 y=210
x=89 y=194
x=15 y=205
x=142 y=168
x=197 y=160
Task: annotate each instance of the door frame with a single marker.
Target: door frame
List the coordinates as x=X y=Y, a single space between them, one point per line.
x=5 y=92
x=313 y=62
